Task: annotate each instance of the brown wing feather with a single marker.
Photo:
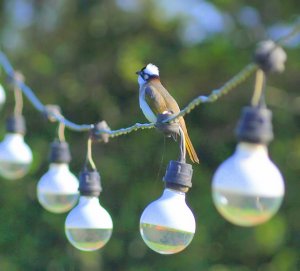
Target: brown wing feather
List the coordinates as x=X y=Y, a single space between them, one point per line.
x=170 y=102
x=155 y=100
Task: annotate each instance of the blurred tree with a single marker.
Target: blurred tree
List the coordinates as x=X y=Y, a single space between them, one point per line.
x=83 y=56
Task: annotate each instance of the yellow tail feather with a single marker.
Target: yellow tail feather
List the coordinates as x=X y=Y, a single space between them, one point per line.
x=190 y=149
x=188 y=143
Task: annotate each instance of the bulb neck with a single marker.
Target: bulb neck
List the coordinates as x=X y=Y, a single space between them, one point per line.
x=171 y=193
x=84 y=200
x=245 y=149
x=56 y=166
x=14 y=137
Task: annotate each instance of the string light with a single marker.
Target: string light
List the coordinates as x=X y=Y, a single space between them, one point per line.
x=15 y=154
x=57 y=190
x=164 y=229
x=248 y=188
x=88 y=226
x=167 y=225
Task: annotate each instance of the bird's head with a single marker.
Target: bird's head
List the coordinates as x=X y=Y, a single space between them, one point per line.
x=147 y=73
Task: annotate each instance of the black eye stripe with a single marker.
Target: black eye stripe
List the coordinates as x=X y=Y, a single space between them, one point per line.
x=145 y=75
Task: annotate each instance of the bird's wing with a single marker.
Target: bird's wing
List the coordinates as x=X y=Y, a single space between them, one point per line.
x=171 y=103
x=155 y=100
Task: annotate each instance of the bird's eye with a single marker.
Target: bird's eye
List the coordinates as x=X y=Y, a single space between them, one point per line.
x=146 y=76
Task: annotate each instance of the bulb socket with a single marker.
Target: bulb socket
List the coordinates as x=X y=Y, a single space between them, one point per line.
x=255 y=125
x=16 y=124
x=89 y=183
x=60 y=152
x=167 y=128
x=178 y=176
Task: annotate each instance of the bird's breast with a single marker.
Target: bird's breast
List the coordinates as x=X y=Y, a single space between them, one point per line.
x=145 y=107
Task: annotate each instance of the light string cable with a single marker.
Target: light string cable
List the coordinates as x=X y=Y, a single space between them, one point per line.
x=214 y=96
x=236 y=80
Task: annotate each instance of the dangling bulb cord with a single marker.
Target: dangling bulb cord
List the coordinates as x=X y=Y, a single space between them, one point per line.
x=182 y=157
x=18 y=95
x=89 y=158
x=61 y=132
x=258 y=98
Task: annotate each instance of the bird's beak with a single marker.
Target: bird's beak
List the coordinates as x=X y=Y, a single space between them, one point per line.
x=138 y=72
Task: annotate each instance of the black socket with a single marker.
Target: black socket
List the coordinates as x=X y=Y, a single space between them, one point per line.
x=60 y=152
x=16 y=124
x=89 y=183
x=255 y=125
x=178 y=175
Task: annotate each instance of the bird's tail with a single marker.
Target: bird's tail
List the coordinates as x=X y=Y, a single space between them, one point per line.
x=190 y=149
x=188 y=143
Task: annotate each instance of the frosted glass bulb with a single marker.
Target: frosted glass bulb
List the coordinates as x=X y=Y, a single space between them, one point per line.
x=2 y=96
x=57 y=190
x=248 y=188
x=15 y=156
x=88 y=226
x=167 y=225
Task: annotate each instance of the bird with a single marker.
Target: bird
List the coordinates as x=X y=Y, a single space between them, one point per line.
x=154 y=99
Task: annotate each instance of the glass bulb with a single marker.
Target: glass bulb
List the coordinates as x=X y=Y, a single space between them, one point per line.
x=248 y=188
x=15 y=156
x=88 y=226
x=2 y=96
x=167 y=225
x=57 y=190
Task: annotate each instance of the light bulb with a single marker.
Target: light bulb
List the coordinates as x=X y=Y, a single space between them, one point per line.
x=15 y=156
x=57 y=190
x=2 y=96
x=167 y=225
x=88 y=226
x=248 y=188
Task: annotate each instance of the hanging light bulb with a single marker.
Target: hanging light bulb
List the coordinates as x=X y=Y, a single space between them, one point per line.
x=2 y=96
x=89 y=226
x=57 y=190
x=167 y=225
x=248 y=188
x=15 y=154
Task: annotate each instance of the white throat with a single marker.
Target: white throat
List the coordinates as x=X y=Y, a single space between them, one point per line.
x=141 y=81
x=145 y=107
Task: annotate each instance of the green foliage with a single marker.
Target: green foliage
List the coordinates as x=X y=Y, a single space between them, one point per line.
x=82 y=55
